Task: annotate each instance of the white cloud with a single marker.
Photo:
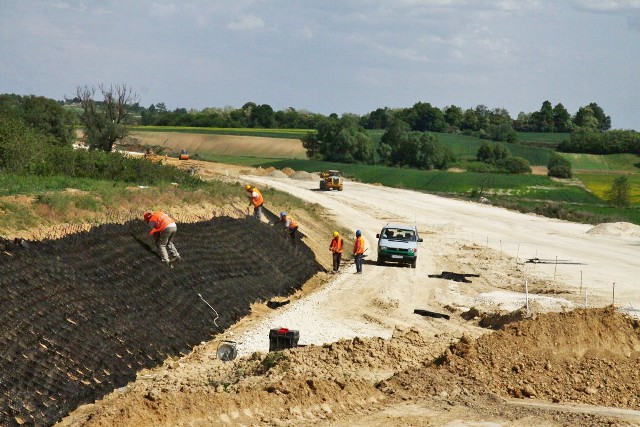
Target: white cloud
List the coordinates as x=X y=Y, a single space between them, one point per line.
x=163 y=10
x=608 y=5
x=246 y=23
x=304 y=32
x=65 y=5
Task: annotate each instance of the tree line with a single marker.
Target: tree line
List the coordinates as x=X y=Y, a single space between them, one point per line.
x=37 y=133
x=37 y=136
x=408 y=141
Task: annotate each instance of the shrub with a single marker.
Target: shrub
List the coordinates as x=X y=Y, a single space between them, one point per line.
x=515 y=165
x=559 y=167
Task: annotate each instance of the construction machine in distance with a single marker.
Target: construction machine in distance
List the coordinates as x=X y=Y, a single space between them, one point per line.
x=331 y=180
x=184 y=155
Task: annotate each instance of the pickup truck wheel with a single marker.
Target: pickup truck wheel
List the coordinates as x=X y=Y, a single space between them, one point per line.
x=413 y=264
x=379 y=261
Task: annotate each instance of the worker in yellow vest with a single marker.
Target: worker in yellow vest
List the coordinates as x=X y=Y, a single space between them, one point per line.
x=358 y=251
x=256 y=200
x=336 y=250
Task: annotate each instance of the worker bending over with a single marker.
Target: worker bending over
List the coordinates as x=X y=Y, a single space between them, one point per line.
x=163 y=230
x=336 y=250
x=256 y=200
x=290 y=226
x=358 y=251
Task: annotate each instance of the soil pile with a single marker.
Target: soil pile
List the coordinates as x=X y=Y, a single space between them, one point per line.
x=303 y=175
x=625 y=229
x=559 y=357
x=586 y=356
x=277 y=174
x=81 y=315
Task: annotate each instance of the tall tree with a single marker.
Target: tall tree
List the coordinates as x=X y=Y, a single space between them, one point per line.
x=105 y=121
x=47 y=116
x=586 y=119
x=561 y=119
x=453 y=116
x=604 y=121
x=544 y=118
x=339 y=140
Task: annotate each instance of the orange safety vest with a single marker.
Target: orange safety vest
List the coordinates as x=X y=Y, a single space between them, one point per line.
x=162 y=220
x=358 y=245
x=257 y=201
x=336 y=245
x=292 y=222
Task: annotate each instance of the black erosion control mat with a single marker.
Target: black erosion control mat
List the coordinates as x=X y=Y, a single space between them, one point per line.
x=80 y=316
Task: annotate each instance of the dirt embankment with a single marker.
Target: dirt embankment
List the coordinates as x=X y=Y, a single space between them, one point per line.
x=546 y=358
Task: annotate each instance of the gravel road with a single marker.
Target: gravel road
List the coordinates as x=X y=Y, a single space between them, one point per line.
x=595 y=268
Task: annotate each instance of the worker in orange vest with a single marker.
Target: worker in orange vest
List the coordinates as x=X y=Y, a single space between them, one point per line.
x=358 y=251
x=163 y=230
x=290 y=226
x=256 y=200
x=336 y=250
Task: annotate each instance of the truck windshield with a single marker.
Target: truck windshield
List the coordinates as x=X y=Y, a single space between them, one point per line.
x=398 y=234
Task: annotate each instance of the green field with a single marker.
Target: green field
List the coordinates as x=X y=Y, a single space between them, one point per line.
x=604 y=163
x=533 y=187
x=542 y=139
x=465 y=147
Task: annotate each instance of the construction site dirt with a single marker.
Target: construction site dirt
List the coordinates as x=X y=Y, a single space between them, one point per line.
x=512 y=343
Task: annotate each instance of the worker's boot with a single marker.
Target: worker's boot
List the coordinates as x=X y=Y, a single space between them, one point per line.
x=176 y=258
x=167 y=263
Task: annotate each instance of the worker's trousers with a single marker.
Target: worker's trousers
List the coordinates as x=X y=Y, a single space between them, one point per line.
x=257 y=212
x=336 y=260
x=358 y=261
x=164 y=242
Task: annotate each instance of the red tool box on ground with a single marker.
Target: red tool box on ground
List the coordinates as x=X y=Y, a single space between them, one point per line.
x=282 y=338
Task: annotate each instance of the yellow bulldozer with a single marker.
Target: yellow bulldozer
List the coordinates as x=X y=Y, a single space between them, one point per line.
x=331 y=180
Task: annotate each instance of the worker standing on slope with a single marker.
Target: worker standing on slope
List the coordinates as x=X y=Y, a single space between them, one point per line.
x=358 y=251
x=336 y=250
x=290 y=226
x=256 y=200
x=163 y=230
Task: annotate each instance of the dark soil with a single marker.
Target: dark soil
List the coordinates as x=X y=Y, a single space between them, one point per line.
x=80 y=316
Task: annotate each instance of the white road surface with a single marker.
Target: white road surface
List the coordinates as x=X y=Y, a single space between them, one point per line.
x=605 y=267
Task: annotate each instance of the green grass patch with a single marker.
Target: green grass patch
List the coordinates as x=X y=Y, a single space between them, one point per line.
x=603 y=162
x=465 y=147
x=17 y=216
x=542 y=139
x=269 y=133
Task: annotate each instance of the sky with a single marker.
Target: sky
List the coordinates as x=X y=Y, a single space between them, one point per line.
x=331 y=56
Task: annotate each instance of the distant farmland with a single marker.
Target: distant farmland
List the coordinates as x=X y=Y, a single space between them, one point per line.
x=206 y=145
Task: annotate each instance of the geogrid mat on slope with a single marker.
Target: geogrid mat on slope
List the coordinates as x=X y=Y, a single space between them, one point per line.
x=80 y=316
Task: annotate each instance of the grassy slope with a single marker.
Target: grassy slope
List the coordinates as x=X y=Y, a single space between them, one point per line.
x=465 y=147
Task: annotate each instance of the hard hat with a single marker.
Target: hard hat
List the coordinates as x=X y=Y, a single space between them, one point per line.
x=358 y=233
x=147 y=216
x=247 y=187
x=336 y=234
x=283 y=214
